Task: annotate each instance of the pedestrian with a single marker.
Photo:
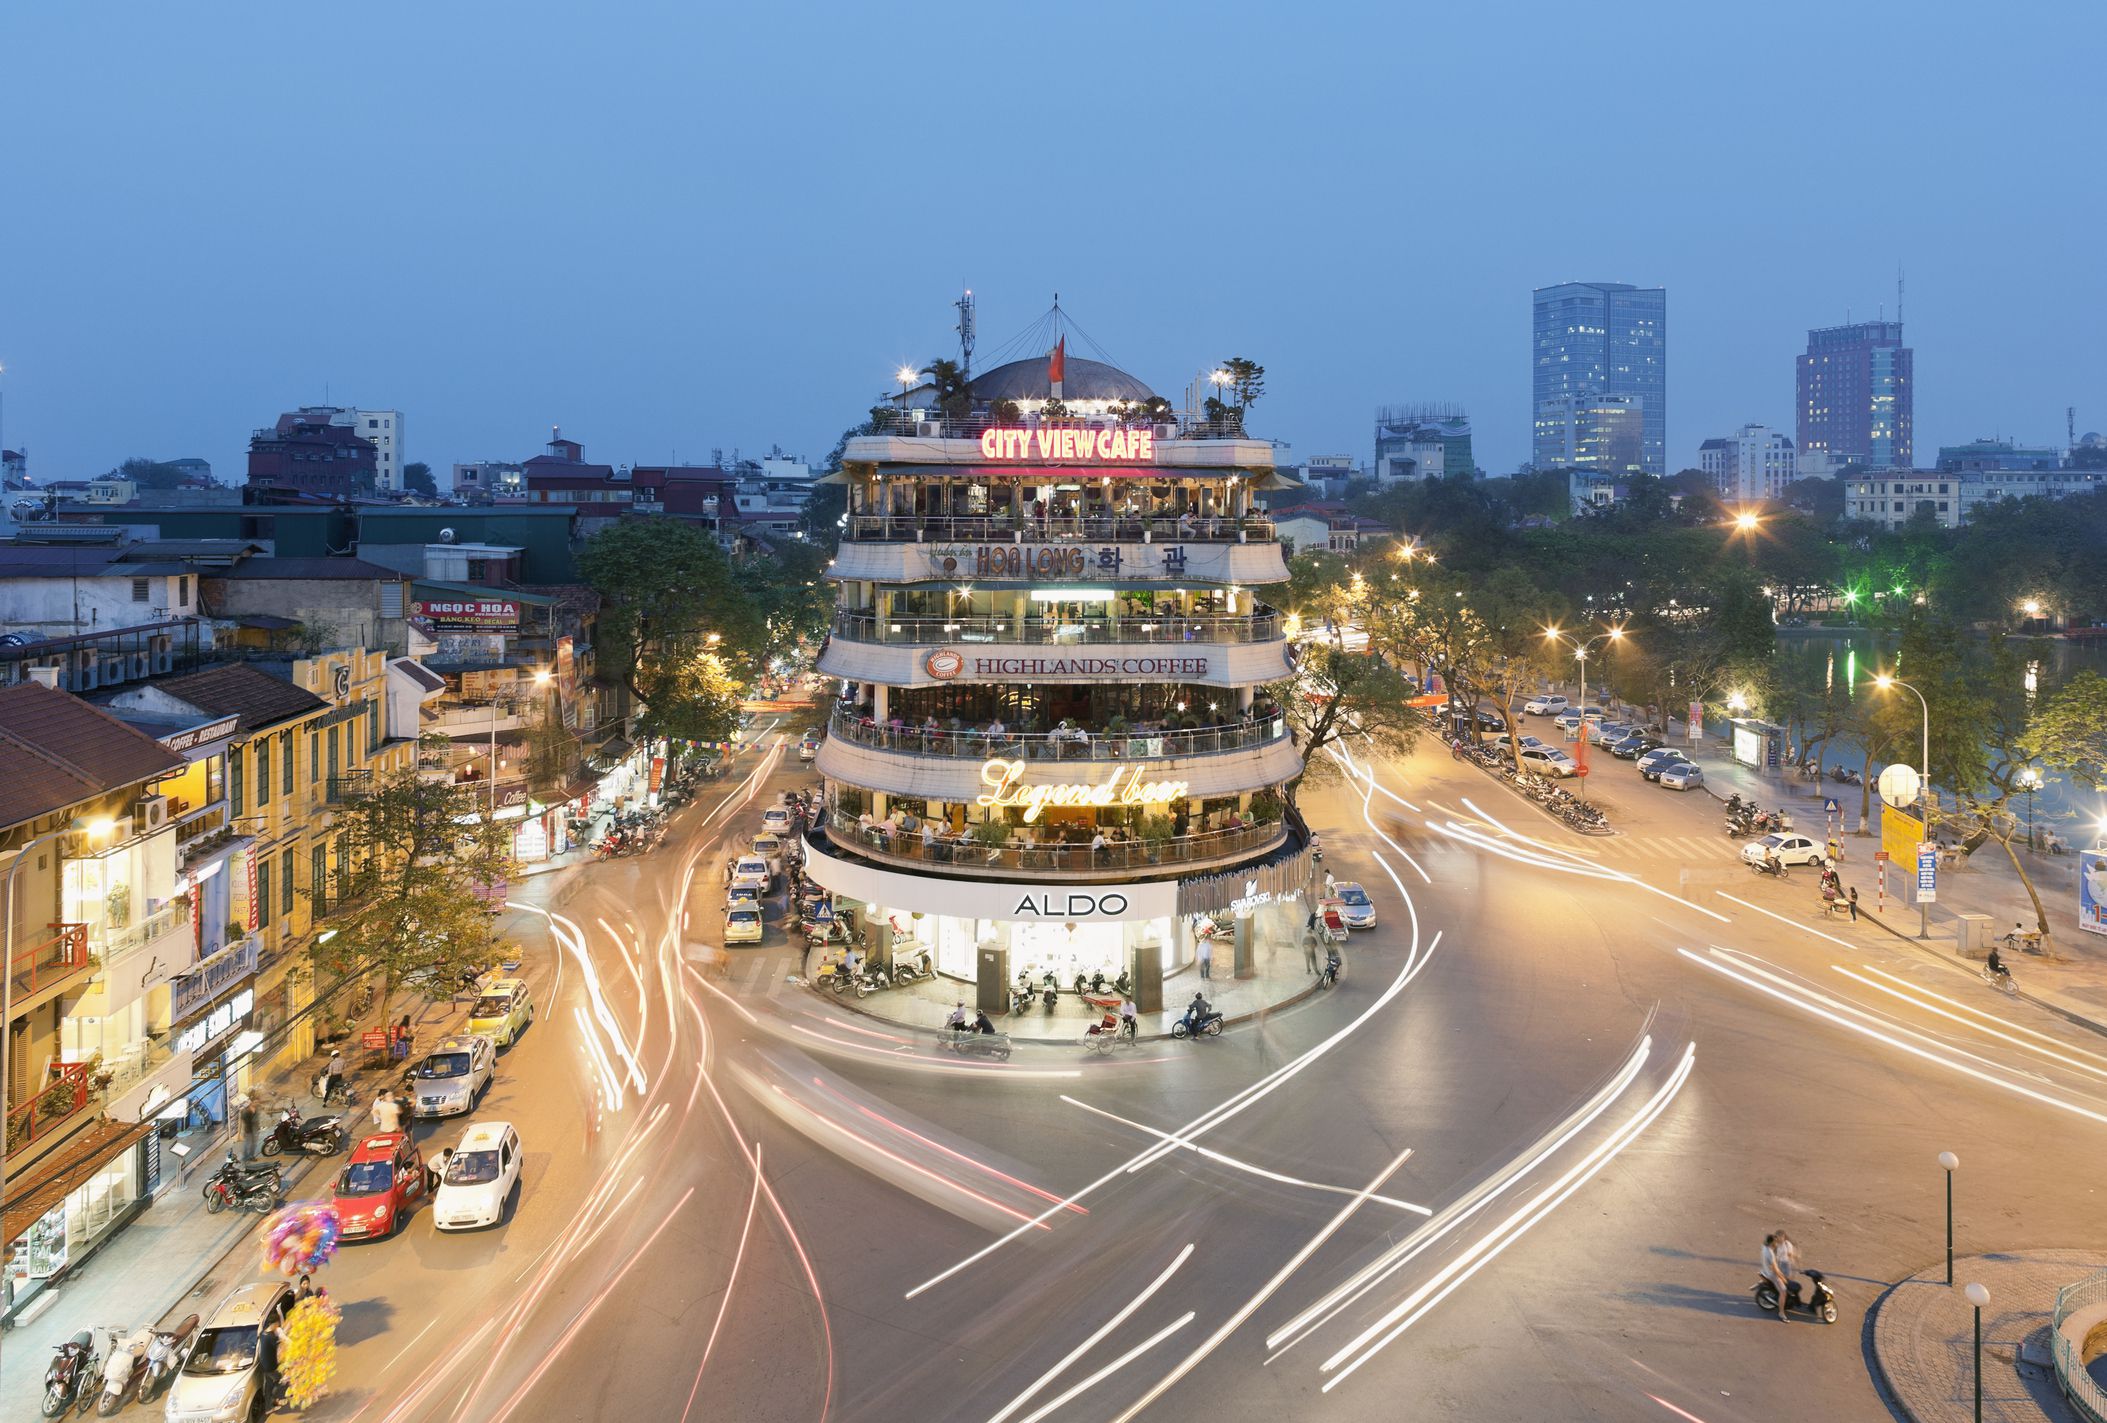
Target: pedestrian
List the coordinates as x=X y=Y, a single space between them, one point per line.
x=1331 y=885
x=387 y=1113
x=305 y=1289
x=247 y=1107
x=1097 y=848
x=401 y=1045
x=1851 y=903
x=435 y=1169
x=332 y=1075
x=1206 y=955
x=1309 y=942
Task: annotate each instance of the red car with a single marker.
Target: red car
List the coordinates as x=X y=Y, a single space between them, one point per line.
x=383 y=1183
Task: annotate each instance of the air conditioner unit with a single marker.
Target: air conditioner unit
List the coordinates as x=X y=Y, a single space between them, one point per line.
x=151 y=812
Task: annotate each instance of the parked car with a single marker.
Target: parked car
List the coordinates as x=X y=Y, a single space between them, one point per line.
x=480 y=1175
x=379 y=1186
x=1355 y=907
x=502 y=1011
x=1681 y=776
x=453 y=1076
x=1632 y=747
x=752 y=870
x=1653 y=762
x=1499 y=743
x=1548 y=761
x=1545 y=706
x=1610 y=732
x=776 y=820
x=227 y=1373
x=769 y=846
x=1569 y=720
x=1792 y=849
x=743 y=923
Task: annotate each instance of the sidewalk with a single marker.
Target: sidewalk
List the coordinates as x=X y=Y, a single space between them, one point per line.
x=1924 y=1338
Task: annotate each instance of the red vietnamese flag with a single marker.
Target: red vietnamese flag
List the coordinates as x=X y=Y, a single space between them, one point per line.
x=1056 y=364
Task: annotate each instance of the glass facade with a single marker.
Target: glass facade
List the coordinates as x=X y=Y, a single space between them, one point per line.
x=1600 y=351
x=1856 y=399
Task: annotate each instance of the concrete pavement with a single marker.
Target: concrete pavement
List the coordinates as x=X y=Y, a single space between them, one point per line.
x=1924 y=1338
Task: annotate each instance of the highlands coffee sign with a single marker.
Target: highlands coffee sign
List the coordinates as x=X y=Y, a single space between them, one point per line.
x=946 y=663
x=1107 y=446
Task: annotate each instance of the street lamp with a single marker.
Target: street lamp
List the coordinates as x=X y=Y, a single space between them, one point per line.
x=1978 y=1296
x=2030 y=781
x=1746 y=522
x=1580 y=655
x=1949 y=1163
x=1883 y=681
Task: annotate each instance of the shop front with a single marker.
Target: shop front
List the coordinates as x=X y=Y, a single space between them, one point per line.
x=92 y=1203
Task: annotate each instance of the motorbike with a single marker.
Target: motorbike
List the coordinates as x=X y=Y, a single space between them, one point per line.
x=1020 y=999
x=121 y=1369
x=1049 y=995
x=1329 y=974
x=164 y=1355
x=1770 y=867
x=71 y=1375
x=257 y=1188
x=968 y=1043
x=324 y=1136
x=2000 y=979
x=1194 y=1025
x=1739 y=827
x=908 y=971
x=1819 y=1301
x=872 y=979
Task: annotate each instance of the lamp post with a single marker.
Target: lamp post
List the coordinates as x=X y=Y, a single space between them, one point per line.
x=1978 y=1296
x=2030 y=780
x=1884 y=681
x=1949 y=1163
x=1580 y=655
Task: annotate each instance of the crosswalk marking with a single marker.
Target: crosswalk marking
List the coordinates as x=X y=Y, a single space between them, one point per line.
x=1683 y=848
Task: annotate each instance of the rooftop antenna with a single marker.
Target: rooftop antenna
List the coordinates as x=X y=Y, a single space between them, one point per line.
x=965 y=334
x=1898 y=293
x=2070 y=425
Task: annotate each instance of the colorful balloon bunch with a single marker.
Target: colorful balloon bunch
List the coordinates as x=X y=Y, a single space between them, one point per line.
x=300 y=1237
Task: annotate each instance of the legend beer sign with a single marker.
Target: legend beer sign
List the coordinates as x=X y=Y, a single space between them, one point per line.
x=1128 y=446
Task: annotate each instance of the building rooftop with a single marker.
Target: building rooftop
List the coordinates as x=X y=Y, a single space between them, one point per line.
x=1030 y=379
x=56 y=751
x=341 y=567
x=240 y=689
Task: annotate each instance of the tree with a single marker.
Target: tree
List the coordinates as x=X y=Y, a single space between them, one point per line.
x=1339 y=700
x=417 y=475
x=950 y=383
x=151 y=473
x=415 y=853
x=2006 y=765
x=1247 y=378
x=2068 y=731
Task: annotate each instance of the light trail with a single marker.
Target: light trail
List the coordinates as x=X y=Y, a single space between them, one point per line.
x=934 y=1145
x=1091 y=1343
x=1909 y=993
x=1845 y=944
x=1678 y=1412
x=1266 y=1291
x=753 y=1199
x=1416 y=1305
x=1246 y=1166
x=1114 y=1367
x=1342 y=1296
x=1912 y=1049
x=610 y=1080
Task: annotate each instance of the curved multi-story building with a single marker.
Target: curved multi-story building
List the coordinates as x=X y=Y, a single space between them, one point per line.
x=1054 y=745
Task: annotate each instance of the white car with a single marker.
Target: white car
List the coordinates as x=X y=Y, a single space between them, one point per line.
x=1682 y=776
x=452 y=1077
x=480 y=1175
x=1499 y=743
x=1548 y=761
x=776 y=819
x=1654 y=762
x=752 y=870
x=1545 y=706
x=228 y=1366
x=1792 y=849
x=769 y=846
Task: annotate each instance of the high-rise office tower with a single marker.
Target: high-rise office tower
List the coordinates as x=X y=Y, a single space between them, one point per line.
x=1855 y=395
x=1599 y=346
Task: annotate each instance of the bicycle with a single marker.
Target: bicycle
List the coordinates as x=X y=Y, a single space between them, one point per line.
x=2002 y=981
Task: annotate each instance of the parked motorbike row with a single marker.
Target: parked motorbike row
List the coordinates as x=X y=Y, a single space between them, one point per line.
x=81 y=1375
x=632 y=833
x=253 y=1187
x=1047 y=989
x=1743 y=818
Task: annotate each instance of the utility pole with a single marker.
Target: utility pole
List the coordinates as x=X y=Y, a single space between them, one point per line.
x=965 y=334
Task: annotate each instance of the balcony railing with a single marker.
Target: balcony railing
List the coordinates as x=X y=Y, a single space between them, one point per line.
x=351 y=783
x=848 y=725
x=168 y=919
x=971 y=854
x=212 y=978
x=996 y=528
x=41 y=965
x=70 y=1092
x=864 y=626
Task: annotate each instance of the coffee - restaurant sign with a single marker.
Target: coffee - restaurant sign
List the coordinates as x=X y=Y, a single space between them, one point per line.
x=1134 y=446
x=1125 y=786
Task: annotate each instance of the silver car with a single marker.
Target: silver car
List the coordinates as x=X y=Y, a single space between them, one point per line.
x=450 y=1079
x=228 y=1369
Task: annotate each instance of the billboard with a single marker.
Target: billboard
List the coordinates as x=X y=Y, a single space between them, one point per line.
x=2092 y=891
x=463 y=612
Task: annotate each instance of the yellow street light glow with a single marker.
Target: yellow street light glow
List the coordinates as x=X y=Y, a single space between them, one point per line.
x=2031 y=607
x=542 y=676
x=1883 y=681
x=1745 y=522
x=101 y=826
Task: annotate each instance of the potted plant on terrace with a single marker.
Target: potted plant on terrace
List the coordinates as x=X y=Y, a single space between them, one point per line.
x=1156 y=832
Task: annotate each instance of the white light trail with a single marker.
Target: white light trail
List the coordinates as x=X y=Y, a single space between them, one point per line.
x=1843 y=944
x=1922 y=992
x=1908 y=993
x=724 y=1304
x=1114 y=1367
x=1091 y=1343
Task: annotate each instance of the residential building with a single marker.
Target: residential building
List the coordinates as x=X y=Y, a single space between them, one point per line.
x=1595 y=489
x=482 y=481
x=384 y=429
x=60 y=590
x=98 y=928
x=1324 y=525
x=1089 y=586
x=1856 y=395
x=1422 y=442
x=1891 y=497
x=309 y=452
x=1600 y=362
x=1750 y=466
x=1602 y=432
x=561 y=475
x=1997 y=455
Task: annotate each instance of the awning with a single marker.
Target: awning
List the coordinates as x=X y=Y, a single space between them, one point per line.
x=265 y=622
x=58 y=1177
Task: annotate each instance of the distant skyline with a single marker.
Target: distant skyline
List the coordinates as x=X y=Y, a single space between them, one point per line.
x=727 y=227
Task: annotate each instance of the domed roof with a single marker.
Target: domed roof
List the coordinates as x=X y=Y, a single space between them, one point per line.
x=1080 y=380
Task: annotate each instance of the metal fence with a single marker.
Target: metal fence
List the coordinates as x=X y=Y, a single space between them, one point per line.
x=905 y=847
x=1005 y=528
x=2084 y=1394
x=1085 y=631
x=970 y=744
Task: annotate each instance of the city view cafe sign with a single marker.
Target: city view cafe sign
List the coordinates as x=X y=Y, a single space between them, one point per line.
x=1108 y=446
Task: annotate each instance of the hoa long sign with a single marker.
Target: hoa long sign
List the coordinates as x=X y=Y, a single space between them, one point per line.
x=1130 y=446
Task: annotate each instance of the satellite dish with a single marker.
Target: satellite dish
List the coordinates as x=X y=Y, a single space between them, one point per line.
x=446 y=536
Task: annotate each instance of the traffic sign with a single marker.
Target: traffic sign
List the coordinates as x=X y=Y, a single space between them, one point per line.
x=1830 y=807
x=824 y=914
x=1927 y=874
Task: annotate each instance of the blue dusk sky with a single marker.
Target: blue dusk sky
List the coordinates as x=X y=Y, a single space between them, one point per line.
x=678 y=226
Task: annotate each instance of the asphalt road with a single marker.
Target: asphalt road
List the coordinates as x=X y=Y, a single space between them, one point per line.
x=1612 y=1070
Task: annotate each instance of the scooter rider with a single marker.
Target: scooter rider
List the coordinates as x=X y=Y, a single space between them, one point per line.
x=1996 y=964
x=957 y=1021
x=981 y=1023
x=1129 y=1025
x=1196 y=1012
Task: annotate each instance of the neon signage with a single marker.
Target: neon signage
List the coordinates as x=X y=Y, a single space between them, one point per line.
x=1123 y=787
x=1000 y=444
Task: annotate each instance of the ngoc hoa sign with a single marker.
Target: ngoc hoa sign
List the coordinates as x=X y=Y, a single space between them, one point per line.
x=1123 y=787
x=1132 y=445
